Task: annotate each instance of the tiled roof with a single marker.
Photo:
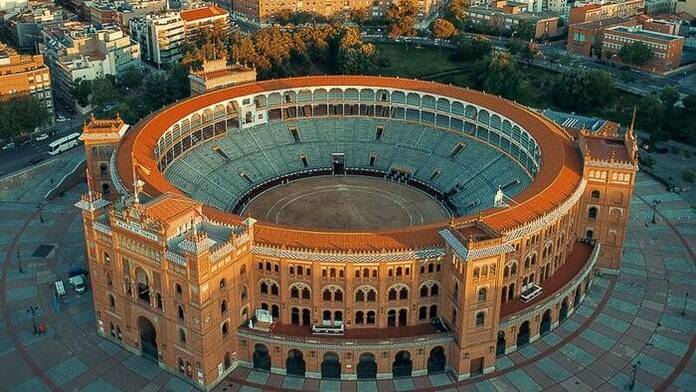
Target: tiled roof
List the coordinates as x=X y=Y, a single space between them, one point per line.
x=195 y=14
x=168 y=206
x=558 y=177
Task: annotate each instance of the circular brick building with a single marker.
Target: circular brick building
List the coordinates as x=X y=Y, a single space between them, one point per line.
x=346 y=227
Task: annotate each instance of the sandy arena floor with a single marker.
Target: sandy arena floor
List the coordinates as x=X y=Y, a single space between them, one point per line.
x=346 y=202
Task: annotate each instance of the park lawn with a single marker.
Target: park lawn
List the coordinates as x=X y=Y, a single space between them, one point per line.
x=407 y=60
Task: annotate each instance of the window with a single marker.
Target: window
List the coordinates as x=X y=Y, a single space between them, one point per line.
x=435 y=290
x=303 y=159
x=480 y=319
x=392 y=295
x=424 y=291
x=112 y=302
x=305 y=293
x=338 y=296
x=379 y=133
x=274 y=289
x=373 y=158
x=359 y=318
x=107 y=258
x=326 y=295
x=595 y=194
x=592 y=213
x=244 y=293
x=182 y=336
x=291 y=270
x=482 y=294
x=294 y=292
x=180 y=311
x=457 y=149
x=264 y=288
x=403 y=293
x=177 y=289
x=422 y=313
x=371 y=296
x=225 y=329
x=295 y=134
x=371 y=317
x=223 y=307
x=359 y=296
x=223 y=283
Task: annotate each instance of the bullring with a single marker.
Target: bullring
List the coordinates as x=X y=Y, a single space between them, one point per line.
x=190 y=268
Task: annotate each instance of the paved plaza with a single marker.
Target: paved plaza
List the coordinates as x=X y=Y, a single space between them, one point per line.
x=633 y=319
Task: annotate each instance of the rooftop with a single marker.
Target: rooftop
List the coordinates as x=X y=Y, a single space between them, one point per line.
x=195 y=14
x=638 y=31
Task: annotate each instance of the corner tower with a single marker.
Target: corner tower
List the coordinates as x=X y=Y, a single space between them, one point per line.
x=101 y=138
x=610 y=166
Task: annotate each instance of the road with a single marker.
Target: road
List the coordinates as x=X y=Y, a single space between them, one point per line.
x=20 y=157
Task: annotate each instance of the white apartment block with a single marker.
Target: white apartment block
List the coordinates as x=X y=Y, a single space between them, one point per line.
x=160 y=36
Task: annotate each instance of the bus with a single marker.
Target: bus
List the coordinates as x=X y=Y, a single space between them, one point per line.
x=63 y=144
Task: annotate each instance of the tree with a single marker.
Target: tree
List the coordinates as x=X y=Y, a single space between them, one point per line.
x=401 y=17
x=81 y=90
x=359 y=16
x=647 y=161
x=515 y=46
x=499 y=74
x=209 y=44
x=455 y=11
x=469 y=48
x=354 y=56
x=131 y=78
x=649 y=117
x=636 y=53
x=103 y=91
x=690 y=103
x=688 y=176
x=669 y=96
x=583 y=90
x=442 y=29
x=21 y=114
x=526 y=30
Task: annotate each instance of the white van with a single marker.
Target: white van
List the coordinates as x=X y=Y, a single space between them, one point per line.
x=78 y=282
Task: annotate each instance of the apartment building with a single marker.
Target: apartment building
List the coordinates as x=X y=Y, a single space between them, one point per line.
x=25 y=27
x=507 y=16
x=77 y=51
x=24 y=74
x=605 y=10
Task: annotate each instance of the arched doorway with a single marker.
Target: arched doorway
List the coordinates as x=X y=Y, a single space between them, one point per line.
x=500 y=344
x=261 y=358
x=437 y=360
x=523 y=334
x=295 y=364
x=148 y=338
x=367 y=367
x=331 y=366
x=563 y=313
x=545 y=326
x=402 y=365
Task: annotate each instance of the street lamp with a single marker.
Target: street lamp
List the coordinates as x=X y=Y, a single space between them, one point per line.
x=686 y=299
x=33 y=310
x=633 y=378
x=654 y=208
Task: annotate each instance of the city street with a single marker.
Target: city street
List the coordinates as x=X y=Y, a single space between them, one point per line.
x=22 y=155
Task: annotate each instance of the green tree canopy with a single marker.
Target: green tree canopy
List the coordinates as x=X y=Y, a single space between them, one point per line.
x=499 y=74
x=472 y=48
x=583 y=90
x=401 y=17
x=636 y=53
x=81 y=91
x=443 y=29
x=131 y=78
x=455 y=11
x=20 y=115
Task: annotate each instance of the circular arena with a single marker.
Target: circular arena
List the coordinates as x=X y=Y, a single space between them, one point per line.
x=351 y=227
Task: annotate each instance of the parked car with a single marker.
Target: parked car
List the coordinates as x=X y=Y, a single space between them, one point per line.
x=8 y=146
x=62 y=118
x=36 y=160
x=78 y=283
x=41 y=137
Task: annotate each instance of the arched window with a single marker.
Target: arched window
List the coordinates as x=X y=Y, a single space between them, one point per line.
x=244 y=293
x=359 y=296
x=371 y=296
x=300 y=270
x=112 y=302
x=398 y=271
x=506 y=271
x=595 y=194
x=589 y=234
x=513 y=269
x=403 y=293
x=264 y=288
x=592 y=213
x=435 y=290
x=424 y=291
x=291 y=270
x=180 y=311
x=223 y=283
x=274 y=289
x=430 y=267
x=476 y=272
x=480 y=319
x=107 y=258
x=482 y=294
x=223 y=306
x=326 y=295
x=359 y=317
x=294 y=292
x=422 y=269
x=177 y=289
x=332 y=273
x=225 y=329
x=338 y=296
x=456 y=290
x=305 y=293
x=371 y=317
x=242 y=270
x=109 y=282
x=433 y=311
x=422 y=313
x=366 y=273
x=392 y=295
x=357 y=273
